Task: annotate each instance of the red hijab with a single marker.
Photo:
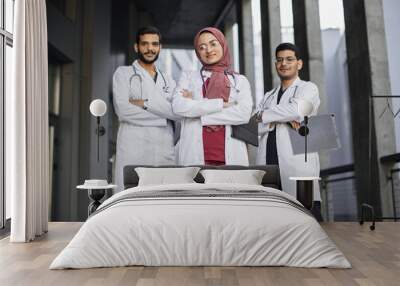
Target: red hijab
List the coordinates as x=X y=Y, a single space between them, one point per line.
x=219 y=85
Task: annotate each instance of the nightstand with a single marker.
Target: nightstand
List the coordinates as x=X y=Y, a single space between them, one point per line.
x=95 y=193
x=304 y=190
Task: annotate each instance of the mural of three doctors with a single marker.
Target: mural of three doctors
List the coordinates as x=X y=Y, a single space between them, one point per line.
x=206 y=105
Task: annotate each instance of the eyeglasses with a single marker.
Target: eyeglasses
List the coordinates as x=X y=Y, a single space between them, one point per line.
x=289 y=60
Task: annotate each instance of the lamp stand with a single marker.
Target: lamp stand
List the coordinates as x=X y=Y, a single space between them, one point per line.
x=100 y=131
x=305 y=138
x=98 y=137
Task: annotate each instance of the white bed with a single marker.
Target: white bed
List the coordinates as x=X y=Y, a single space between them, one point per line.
x=222 y=225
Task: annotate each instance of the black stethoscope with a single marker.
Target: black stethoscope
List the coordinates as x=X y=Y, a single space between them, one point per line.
x=137 y=75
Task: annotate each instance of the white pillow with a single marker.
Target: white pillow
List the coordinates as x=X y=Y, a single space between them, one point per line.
x=166 y=176
x=248 y=177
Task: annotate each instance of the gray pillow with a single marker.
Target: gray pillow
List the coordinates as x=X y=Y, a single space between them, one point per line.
x=247 y=177
x=166 y=176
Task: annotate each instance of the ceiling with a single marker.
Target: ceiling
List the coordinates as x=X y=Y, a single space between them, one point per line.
x=180 y=20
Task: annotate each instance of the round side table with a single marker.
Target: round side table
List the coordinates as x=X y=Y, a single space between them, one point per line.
x=95 y=193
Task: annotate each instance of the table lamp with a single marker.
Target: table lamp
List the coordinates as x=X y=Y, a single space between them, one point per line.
x=98 y=108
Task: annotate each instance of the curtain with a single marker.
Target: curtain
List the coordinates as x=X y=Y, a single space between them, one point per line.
x=27 y=141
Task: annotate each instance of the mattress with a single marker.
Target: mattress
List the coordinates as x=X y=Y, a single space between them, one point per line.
x=201 y=225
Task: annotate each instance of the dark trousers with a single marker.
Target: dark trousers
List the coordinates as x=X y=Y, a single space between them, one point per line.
x=272 y=152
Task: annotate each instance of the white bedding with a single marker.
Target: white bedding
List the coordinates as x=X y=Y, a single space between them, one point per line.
x=182 y=231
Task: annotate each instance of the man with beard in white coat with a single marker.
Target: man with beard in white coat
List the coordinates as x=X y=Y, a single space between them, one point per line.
x=278 y=113
x=142 y=102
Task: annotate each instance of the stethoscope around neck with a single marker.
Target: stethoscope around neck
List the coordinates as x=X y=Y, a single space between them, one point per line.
x=262 y=104
x=234 y=86
x=138 y=76
x=273 y=93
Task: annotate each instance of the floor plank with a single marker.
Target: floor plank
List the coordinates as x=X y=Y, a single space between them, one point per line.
x=374 y=255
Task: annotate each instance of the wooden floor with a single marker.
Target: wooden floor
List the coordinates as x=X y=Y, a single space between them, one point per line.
x=374 y=255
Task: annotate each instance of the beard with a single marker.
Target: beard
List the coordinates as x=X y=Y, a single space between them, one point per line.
x=146 y=61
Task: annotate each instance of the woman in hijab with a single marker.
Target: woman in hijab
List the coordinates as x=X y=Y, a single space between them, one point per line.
x=210 y=102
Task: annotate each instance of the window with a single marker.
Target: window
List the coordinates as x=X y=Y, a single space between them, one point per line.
x=9 y=15
x=7 y=63
x=8 y=72
x=287 y=30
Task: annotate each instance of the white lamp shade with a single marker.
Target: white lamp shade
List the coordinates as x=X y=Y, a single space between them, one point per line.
x=98 y=107
x=304 y=107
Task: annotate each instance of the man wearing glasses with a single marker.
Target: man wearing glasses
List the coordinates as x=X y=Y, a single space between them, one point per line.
x=278 y=112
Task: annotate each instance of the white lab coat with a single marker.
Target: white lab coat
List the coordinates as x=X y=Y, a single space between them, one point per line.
x=199 y=112
x=277 y=116
x=145 y=137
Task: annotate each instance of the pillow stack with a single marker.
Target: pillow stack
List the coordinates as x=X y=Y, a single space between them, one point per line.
x=186 y=175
